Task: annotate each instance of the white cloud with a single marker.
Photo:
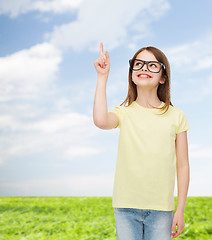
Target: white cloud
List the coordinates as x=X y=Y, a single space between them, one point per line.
x=81 y=185
x=78 y=151
x=25 y=73
x=206 y=89
x=193 y=56
x=55 y=133
x=194 y=90
x=58 y=123
x=191 y=64
x=198 y=151
x=56 y=6
x=111 y=23
x=50 y=124
x=1 y=162
x=16 y=7
x=200 y=177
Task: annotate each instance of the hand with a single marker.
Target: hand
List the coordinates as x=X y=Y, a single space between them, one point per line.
x=102 y=63
x=180 y=222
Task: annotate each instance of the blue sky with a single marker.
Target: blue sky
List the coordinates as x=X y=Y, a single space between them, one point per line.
x=49 y=145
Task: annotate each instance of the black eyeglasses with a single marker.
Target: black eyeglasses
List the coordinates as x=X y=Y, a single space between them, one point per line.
x=152 y=66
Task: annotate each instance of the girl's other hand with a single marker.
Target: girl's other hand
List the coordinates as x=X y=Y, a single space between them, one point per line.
x=178 y=221
x=102 y=63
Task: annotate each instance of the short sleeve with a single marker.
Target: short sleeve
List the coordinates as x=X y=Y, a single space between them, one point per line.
x=182 y=122
x=118 y=111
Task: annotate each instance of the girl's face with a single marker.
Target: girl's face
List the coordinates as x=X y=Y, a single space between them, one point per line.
x=145 y=78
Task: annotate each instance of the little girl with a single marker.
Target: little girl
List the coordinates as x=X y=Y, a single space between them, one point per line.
x=152 y=146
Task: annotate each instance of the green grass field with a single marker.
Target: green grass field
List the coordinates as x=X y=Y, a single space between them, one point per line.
x=84 y=218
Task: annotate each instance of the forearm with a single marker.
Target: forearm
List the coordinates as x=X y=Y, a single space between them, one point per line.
x=183 y=177
x=100 y=102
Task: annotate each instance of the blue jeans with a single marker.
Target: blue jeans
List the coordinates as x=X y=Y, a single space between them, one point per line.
x=143 y=224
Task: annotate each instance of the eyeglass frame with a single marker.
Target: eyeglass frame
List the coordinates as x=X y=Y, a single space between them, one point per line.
x=147 y=63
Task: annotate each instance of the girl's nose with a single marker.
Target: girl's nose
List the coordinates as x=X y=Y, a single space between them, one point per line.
x=144 y=68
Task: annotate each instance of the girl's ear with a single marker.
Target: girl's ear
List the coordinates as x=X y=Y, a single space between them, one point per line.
x=163 y=80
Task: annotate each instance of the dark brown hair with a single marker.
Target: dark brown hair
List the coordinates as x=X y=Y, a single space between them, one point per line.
x=163 y=90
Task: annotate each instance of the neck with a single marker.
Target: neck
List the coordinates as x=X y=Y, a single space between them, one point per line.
x=145 y=97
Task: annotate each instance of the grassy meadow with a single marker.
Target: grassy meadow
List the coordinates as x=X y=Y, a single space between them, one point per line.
x=84 y=218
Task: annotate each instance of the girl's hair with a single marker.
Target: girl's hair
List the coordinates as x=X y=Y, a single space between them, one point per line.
x=163 y=90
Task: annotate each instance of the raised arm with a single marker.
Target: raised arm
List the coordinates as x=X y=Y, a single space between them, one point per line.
x=101 y=117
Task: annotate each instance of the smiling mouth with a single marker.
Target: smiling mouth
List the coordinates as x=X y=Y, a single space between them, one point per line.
x=143 y=76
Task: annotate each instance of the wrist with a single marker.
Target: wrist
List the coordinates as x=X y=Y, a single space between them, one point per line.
x=102 y=78
x=180 y=210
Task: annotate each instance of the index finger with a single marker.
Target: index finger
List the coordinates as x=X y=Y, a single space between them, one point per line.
x=101 y=49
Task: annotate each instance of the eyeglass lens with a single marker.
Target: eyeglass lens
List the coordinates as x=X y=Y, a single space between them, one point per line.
x=152 y=66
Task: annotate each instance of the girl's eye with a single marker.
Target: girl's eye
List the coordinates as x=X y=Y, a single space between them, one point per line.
x=137 y=63
x=153 y=65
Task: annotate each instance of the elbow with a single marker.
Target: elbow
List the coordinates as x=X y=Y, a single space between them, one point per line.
x=99 y=124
